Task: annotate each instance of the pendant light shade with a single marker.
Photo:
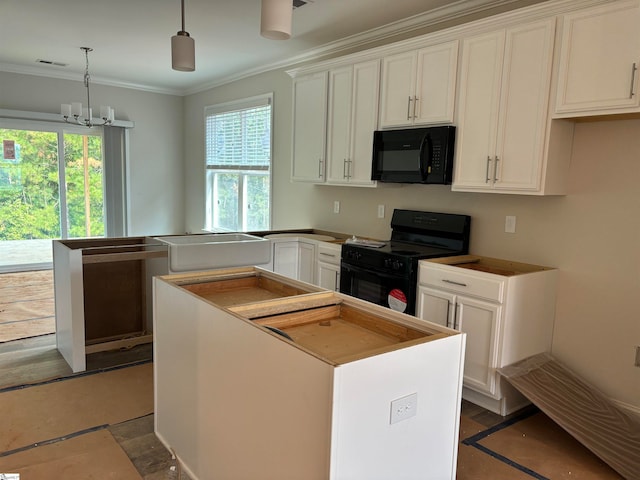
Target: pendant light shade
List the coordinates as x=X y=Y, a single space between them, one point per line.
x=183 y=49
x=183 y=52
x=275 y=21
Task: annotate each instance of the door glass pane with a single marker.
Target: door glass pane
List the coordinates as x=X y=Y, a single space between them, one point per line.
x=256 y=202
x=84 y=180
x=29 y=189
x=226 y=190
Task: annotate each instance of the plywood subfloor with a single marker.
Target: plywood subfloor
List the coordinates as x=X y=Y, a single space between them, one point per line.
x=27 y=306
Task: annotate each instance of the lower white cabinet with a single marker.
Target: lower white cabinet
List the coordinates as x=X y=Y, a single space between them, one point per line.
x=295 y=259
x=328 y=266
x=357 y=392
x=507 y=310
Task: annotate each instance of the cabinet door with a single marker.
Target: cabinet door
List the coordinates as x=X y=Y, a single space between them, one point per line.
x=306 y=262
x=436 y=83
x=397 y=89
x=478 y=103
x=364 y=121
x=328 y=276
x=481 y=322
x=285 y=258
x=309 y=127
x=339 y=124
x=599 y=57
x=435 y=306
x=522 y=119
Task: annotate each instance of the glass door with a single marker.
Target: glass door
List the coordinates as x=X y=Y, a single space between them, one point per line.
x=51 y=187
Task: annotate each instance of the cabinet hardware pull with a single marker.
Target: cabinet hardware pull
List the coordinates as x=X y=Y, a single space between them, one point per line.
x=328 y=255
x=487 y=175
x=409 y=109
x=456 y=323
x=344 y=168
x=454 y=283
x=415 y=106
x=349 y=168
x=633 y=77
x=495 y=169
x=449 y=322
x=319 y=168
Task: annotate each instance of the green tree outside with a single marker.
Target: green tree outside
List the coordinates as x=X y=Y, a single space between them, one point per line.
x=30 y=190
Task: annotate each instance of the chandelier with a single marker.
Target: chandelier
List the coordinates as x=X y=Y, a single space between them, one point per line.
x=76 y=114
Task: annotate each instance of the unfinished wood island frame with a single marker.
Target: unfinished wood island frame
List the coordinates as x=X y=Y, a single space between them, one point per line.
x=102 y=287
x=236 y=400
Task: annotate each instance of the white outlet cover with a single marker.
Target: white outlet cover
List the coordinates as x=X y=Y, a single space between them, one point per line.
x=403 y=408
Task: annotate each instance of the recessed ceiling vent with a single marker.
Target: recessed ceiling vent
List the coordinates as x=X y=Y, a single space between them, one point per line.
x=301 y=3
x=49 y=62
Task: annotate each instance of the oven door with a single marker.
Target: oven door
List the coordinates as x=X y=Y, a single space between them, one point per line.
x=383 y=288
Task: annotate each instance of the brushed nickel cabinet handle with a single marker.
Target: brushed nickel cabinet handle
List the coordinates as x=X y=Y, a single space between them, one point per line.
x=495 y=169
x=344 y=168
x=460 y=284
x=633 y=77
x=409 y=109
x=319 y=168
x=415 y=107
x=487 y=174
x=449 y=322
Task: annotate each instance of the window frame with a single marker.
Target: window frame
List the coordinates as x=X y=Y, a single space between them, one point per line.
x=209 y=173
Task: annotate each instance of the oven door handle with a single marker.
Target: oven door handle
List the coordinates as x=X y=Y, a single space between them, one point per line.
x=369 y=271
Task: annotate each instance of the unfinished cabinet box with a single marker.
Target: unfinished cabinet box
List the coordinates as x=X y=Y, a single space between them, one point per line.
x=101 y=294
x=259 y=376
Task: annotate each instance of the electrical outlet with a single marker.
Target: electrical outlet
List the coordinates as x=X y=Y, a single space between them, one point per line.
x=336 y=207
x=403 y=408
x=510 y=224
x=380 y=211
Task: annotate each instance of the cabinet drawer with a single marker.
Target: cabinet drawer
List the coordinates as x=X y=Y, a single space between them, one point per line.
x=329 y=253
x=461 y=281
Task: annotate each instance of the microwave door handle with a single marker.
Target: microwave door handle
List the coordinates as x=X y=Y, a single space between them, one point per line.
x=425 y=161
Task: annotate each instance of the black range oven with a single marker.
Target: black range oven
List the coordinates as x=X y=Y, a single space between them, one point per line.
x=388 y=275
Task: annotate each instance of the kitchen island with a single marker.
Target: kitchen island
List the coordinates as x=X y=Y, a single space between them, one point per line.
x=261 y=376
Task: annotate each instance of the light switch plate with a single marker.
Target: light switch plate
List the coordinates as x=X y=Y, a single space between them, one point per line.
x=510 y=224
x=336 y=207
x=380 y=211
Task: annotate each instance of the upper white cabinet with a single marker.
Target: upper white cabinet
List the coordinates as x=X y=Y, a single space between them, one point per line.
x=503 y=141
x=352 y=119
x=600 y=56
x=418 y=87
x=309 y=127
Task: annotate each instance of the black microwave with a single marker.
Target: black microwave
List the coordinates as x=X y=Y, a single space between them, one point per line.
x=414 y=155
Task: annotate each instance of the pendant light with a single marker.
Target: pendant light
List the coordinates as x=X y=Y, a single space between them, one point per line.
x=183 y=50
x=275 y=20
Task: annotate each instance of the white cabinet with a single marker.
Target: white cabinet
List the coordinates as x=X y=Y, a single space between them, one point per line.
x=352 y=119
x=506 y=309
x=309 y=127
x=503 y=137
x=418 y=87
x=328 y=266
x=598 y=71
x=295 y=258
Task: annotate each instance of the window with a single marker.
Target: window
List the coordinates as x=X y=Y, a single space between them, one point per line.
x=238 y=165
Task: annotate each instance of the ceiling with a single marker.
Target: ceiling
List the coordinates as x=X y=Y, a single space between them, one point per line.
x=131 y=38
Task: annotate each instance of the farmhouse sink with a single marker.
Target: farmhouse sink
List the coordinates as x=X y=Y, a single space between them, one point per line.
x=216 y=250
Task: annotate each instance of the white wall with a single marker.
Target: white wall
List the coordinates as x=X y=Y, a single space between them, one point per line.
x=156 y=192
